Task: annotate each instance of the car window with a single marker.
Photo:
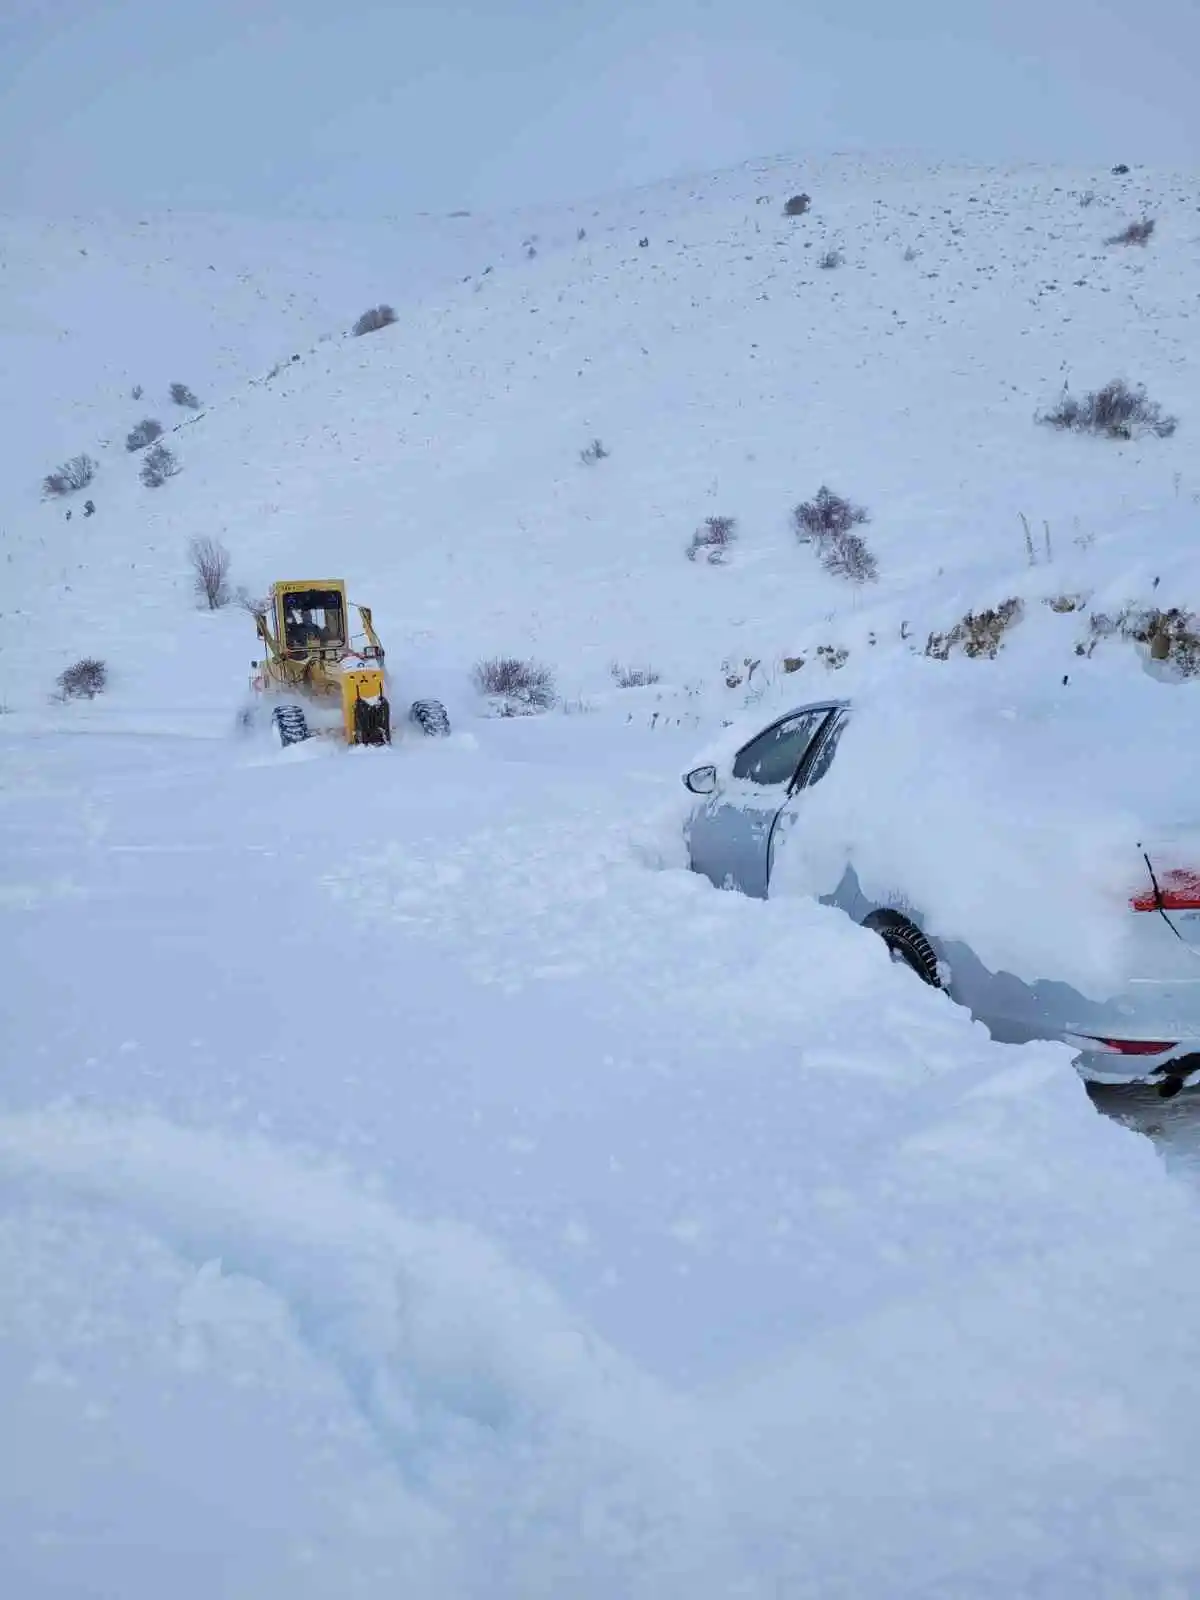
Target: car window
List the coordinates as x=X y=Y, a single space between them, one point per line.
x=774 y=756
x=823 y=757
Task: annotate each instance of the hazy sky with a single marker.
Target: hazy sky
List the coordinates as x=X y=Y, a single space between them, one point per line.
x=361 y=108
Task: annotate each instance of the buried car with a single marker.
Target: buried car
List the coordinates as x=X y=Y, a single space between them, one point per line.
x=778 y=796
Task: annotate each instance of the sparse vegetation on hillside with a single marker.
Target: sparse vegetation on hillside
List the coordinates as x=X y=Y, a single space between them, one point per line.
x=713 y=537
x=847 y=555
x=74 y=474
x=978 y=634
x=1171 y=636
x=828 y=520
x=145 y=432
x=373 y=319
x=1135 y=233
x=83 y=680
x=210 y=571
x=827 y=513
x=1115 y=412
x=632 y=677
x=518 y=685
x=159 y=465
x=181 y=395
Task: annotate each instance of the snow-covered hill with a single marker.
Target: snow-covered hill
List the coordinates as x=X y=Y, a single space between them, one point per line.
x=438 y=462
x=411 y=1181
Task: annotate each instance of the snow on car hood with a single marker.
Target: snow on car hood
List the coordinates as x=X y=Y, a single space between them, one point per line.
x=1008 y=807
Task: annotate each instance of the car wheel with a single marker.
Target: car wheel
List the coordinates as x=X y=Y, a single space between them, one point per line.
x=908 y=944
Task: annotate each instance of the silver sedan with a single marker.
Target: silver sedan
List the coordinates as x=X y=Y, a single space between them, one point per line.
x=742 y=819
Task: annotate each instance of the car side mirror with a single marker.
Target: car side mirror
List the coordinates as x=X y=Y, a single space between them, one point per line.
x=701 y=780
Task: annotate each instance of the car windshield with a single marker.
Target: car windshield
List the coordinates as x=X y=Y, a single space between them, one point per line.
x=313 y=619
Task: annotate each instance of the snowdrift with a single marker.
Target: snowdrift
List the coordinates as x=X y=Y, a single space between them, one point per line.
x=1010 y=809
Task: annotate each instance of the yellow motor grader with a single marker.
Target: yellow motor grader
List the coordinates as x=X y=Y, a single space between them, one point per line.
x=319 y=678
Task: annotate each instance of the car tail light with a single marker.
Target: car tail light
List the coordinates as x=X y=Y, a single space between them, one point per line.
x=1178 y=890
x=1135 y=1047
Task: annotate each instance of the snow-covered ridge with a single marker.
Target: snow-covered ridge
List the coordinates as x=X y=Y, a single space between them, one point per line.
x=725 y=372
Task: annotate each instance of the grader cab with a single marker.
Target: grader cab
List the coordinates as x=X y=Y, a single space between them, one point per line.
x=322 y=676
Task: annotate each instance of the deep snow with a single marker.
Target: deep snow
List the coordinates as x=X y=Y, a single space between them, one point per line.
x=411 y=1178
x=455 y=1201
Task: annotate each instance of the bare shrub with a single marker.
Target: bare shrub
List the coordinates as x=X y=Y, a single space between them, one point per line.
x=633 y=677
x=1172 y=635
x=978 y=634
x=826 y=514
x=911 y=253
x=84 y=680
x=183 y=396
x=830 y=259
x=845 y=555
x=1114 y=412
x=714 y=537
x=797 y=205
x=210 y=571
x=159 y=465
x=253 y=605
x=1087 y=198
x=136 y=392
x=74 y=474
x=1135 y=233
x=594 y=452
x=146 y=431
x=519 y=686
x=373 y=319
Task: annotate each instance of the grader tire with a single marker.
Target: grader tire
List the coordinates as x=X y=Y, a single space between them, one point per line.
x=431 y=717
x=291 y=725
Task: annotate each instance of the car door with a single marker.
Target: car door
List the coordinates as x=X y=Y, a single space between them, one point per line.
x=729 y=835
x=817 y=761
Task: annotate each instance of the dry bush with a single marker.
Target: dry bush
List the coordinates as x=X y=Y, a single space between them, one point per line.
x=714 y=537
x=980 y=633
x=84 y=680
x=210 y=571
x=183 y=396
x=594 y=452
x=159 y=465
x=1087 y=198
x=146 y=431
x=633 y=677
x=373 y=319
x=521 y=685
x=830 y=259
x=845 y=555
x=1115 y=412
x=797 y=205
x=136 y=392
x=911 y=253
x=74 y=474
x=253 y=605
x=1172 y=635
x=1135 y=233
x=827 y=513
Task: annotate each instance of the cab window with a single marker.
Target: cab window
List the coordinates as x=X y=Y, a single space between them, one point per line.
x=313 y=619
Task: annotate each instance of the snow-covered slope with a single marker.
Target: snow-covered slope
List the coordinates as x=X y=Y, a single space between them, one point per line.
x=437 y=462
x=411 y=1180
